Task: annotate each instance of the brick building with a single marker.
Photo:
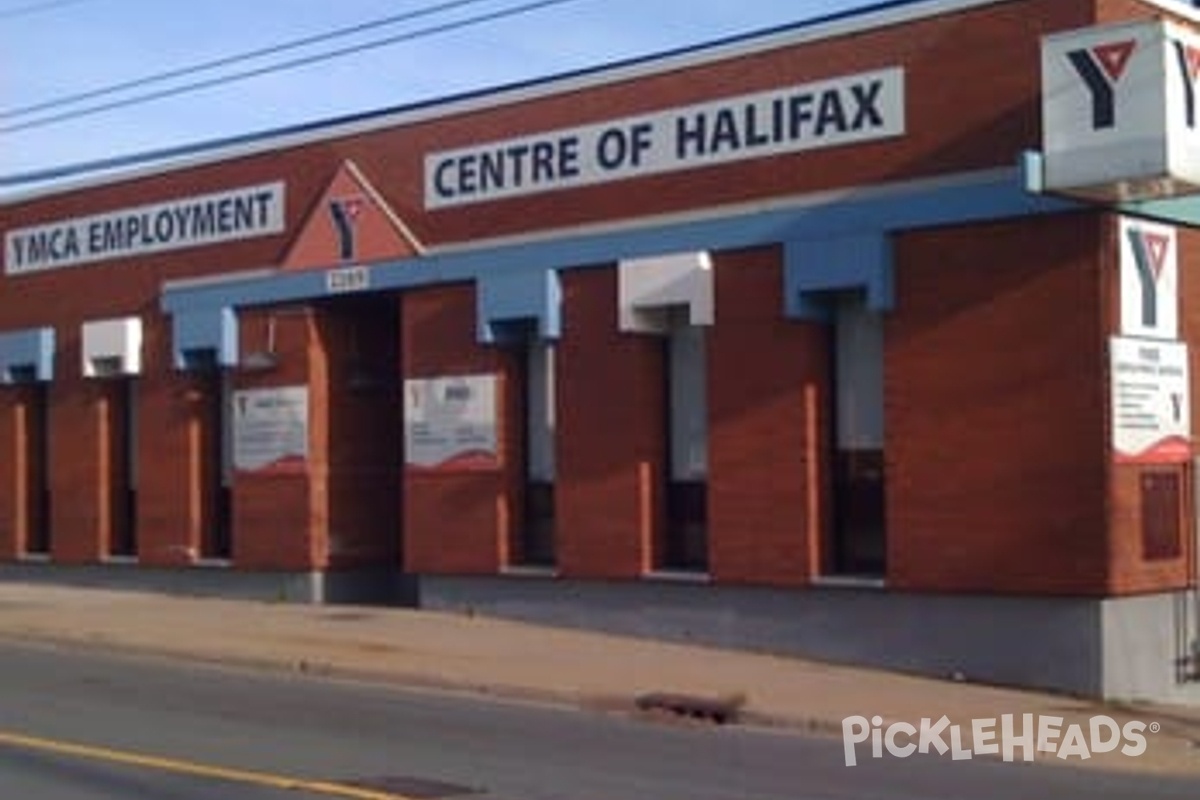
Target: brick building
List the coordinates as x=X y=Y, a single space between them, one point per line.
x=865 y=338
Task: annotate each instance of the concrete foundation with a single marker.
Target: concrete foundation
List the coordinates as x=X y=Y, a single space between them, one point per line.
x=1121 y=649
x=359 y=586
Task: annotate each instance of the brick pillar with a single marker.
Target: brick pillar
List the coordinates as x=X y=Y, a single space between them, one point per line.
x=769 y=394
x=611 y=437
x=459 y=522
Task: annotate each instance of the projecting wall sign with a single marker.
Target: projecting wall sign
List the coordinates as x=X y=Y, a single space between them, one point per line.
x=839 y=111
x=1120 y=116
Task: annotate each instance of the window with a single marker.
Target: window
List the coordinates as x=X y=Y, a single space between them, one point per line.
x=859 y=545
x=535 y=380
x=33 y=463
x=685 y=540
x=214 y=463
x=1161 y=529
x=119 y=442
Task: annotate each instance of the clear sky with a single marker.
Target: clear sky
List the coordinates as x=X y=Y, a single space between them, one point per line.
x=54 y=48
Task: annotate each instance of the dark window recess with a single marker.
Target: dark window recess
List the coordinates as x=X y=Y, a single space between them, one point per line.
x=38 y=462
x=202 y=360
x=535 y=545
x=106 y=367
x=23 y=373
x=1162 y=537
x=686 y=544
x=217 y=537
x=537 y=542
x=685 y=535
x=859 y=513
x=122 y=432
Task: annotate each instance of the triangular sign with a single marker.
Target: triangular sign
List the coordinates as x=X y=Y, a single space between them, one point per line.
x=1192 y=57
x=1158 y=246
x=350 y=224
x=1114 y=57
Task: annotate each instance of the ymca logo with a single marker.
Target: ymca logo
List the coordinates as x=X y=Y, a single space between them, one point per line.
x=1101 y=69
x=344 y=215
x=1150 y=251
x=1188 y=58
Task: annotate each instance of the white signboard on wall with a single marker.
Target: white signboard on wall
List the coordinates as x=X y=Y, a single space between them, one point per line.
x=231 y=215
x=1151 y=404
x=838 y=111
x=1149 y=280
x=270 y=428
x=451 y=423
x=1119 y=110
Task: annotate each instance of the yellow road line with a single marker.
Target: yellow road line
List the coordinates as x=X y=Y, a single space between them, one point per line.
x=16 y=740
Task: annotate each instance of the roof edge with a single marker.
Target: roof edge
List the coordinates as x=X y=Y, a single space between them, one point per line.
x=96 y=174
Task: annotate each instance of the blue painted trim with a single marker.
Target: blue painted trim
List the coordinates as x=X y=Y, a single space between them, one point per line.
x=1033 y=170
x=204 y=337
x=1184 y=211
x=32 y=348
x=995 y=196
x=813 y=267
x=508 y=305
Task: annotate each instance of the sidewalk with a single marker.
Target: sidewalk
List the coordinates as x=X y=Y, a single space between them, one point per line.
x=517 y=660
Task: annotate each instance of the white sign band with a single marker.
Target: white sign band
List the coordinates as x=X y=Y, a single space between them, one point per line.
x=844 y=110
x=241 y=213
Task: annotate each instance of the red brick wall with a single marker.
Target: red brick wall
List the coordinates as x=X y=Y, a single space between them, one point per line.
x=1108 y=11
x=996 y=410
x=1132 y=571
x=983 y=117
x=77 y=480
x=610 y=435
x=279 y=520
x=976 y=489
x=456 y=523
x=18 y=514
x=169 y=506
x=768 y=385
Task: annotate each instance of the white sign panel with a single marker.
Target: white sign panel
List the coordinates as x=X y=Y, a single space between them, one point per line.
x=839 y=111
x=1151 y=414
x=1119 y=110
x=270 y=428
x=236 y=214
x=1149 y=280
x=347 y=279
x=451 y=423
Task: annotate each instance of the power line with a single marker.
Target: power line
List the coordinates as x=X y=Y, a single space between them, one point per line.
x=284 y=65
x=205 y=66
x=34 y=8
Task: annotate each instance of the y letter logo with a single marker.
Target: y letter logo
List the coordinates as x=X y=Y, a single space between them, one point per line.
x=1101 y=68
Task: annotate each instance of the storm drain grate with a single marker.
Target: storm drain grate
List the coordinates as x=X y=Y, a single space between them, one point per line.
x=347 y=616
x=414 y=788
x=721 y=711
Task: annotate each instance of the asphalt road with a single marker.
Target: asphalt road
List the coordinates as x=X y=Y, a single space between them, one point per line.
x=80 y=725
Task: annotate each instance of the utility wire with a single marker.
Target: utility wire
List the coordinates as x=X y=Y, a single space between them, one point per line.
x=284 y=65
x=205 y=66
x=34 y=8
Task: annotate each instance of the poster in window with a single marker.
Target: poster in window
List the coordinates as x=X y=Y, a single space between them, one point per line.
x=270 y=429
x=451 y=424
